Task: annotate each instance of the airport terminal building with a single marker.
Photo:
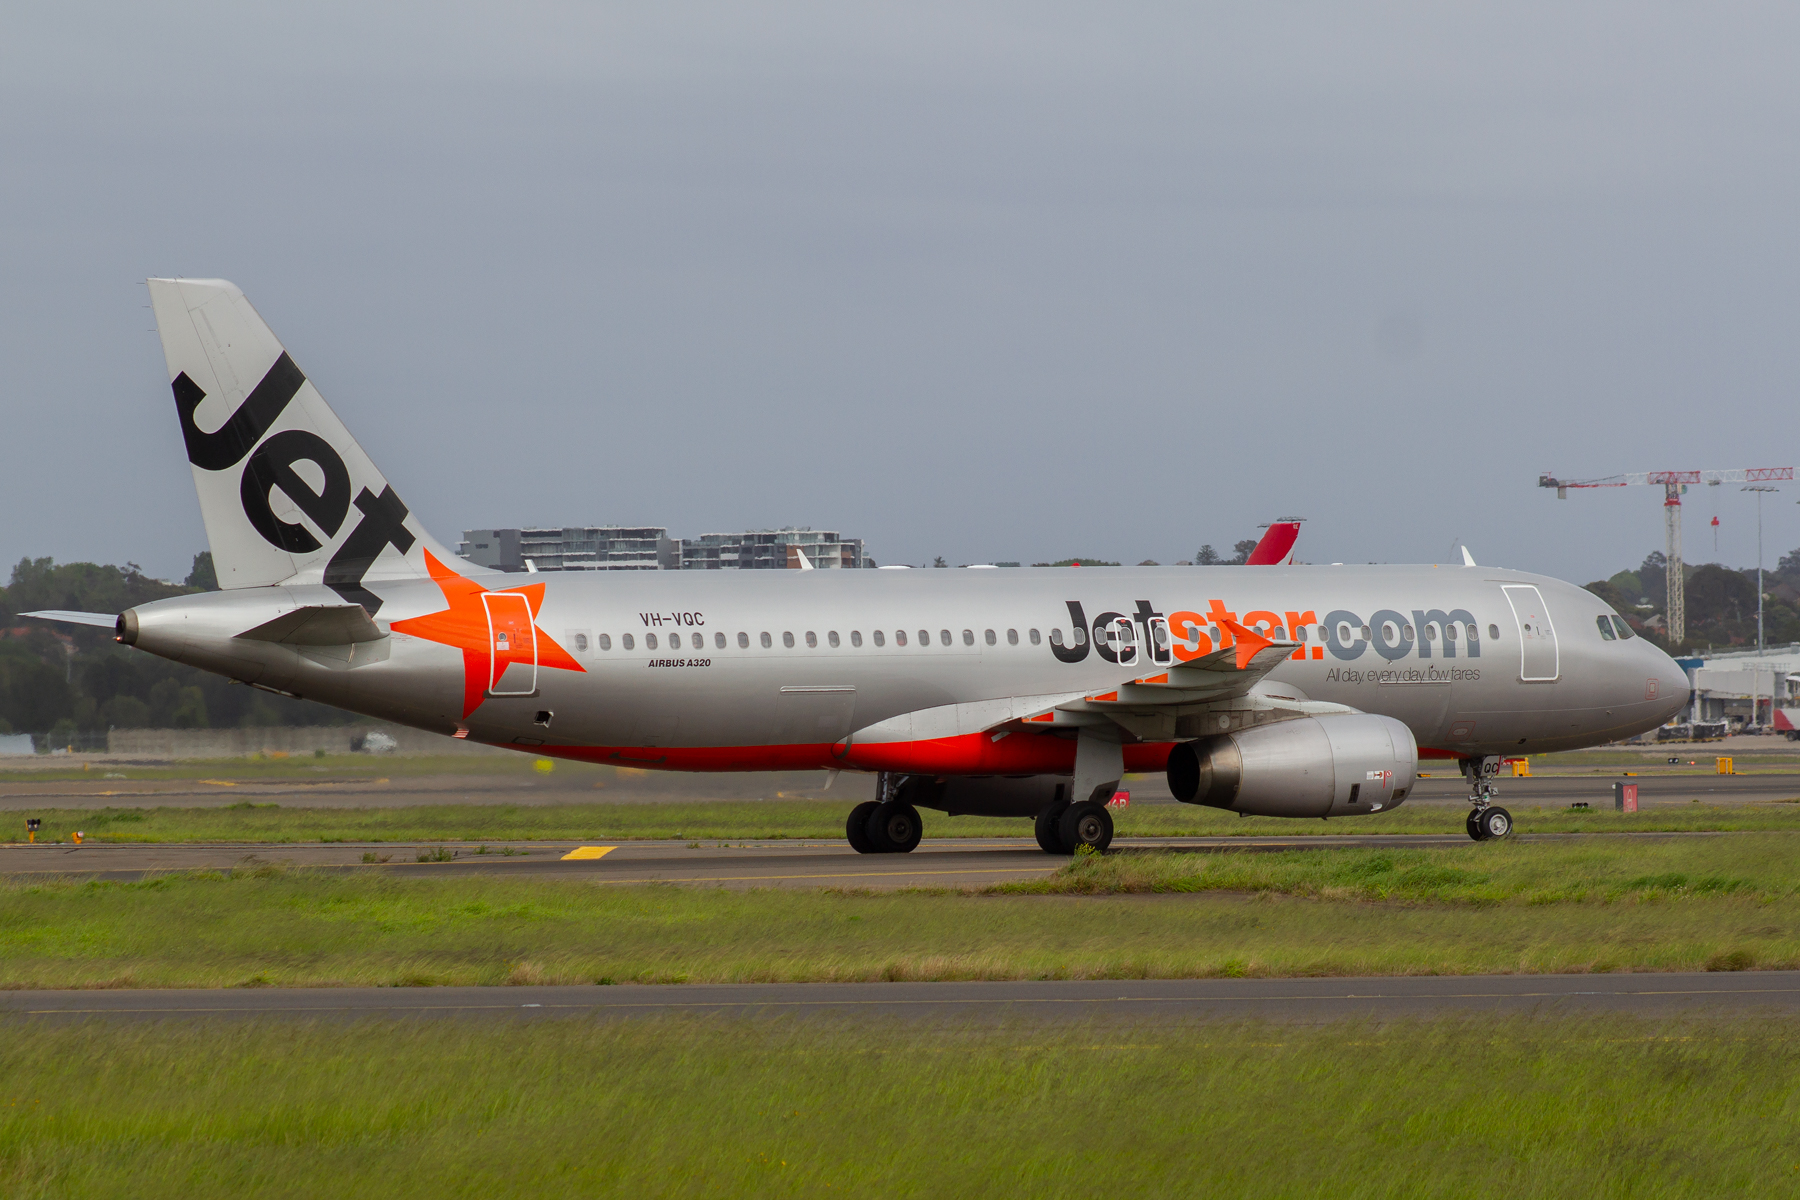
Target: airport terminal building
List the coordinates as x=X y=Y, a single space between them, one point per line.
x=650 y=548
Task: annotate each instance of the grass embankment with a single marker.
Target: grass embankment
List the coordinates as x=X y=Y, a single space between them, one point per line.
x=1719 y=903
x=769 y=820
x=1450 y=1108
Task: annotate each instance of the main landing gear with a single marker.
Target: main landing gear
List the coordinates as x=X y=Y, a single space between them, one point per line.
x=1062 y=827
x=886 y=826
x=1488 y=820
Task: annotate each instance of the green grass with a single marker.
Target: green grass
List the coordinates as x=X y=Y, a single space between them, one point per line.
x=761 y=820
x=1721 y=903
x=681 y=1107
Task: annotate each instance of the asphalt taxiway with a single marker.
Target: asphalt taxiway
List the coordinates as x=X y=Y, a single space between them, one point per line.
x=938 y=862
x=1657 y=784
x=1287 y=1001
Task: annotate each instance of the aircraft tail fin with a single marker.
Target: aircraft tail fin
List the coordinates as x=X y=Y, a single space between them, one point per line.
x=1276 y=544
x=287 y=494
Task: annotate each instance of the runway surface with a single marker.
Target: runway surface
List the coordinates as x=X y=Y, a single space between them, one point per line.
x=938 y=862
x=1657 y=784
x=1295 y=1001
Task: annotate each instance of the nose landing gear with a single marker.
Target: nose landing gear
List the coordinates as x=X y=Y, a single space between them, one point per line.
x=1488 y=820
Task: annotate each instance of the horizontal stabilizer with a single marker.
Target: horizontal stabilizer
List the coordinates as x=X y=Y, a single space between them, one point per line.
x=100 y=620
x=319 y=625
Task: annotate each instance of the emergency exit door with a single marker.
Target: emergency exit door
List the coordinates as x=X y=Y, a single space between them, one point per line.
x=512 y=642
x=1538 y=658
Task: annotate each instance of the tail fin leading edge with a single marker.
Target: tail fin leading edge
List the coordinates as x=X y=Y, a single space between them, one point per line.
x=287 y=494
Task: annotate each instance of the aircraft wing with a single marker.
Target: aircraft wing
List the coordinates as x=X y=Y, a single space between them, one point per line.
x=1171 y=704
x=68 y=617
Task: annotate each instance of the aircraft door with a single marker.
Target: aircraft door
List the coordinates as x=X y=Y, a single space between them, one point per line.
x=512 y=641
x=1539 y=661
x=1158 y=633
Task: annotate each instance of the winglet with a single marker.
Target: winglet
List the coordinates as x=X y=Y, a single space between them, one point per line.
x=1247 y=641
x=1468 y=559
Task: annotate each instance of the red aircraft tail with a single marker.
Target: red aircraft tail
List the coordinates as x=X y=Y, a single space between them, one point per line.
x=1275 y=544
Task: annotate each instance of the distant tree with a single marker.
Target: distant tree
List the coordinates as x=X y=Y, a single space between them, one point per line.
x=1243 y=549
x=203 y=578
x=1149 y=562
x=1082 y=562
x=1207 y=557
x=939 y=561
x=1610 y=595
x=1716 y=594
x=1629 y=586
x=1789 y=566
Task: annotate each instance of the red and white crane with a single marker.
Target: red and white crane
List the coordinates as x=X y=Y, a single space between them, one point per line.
x=1673 y=483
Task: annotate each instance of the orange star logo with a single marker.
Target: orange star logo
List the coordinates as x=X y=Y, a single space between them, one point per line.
x=493 y=635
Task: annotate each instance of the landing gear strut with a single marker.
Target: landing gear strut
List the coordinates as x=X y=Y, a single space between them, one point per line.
x=1488 y=820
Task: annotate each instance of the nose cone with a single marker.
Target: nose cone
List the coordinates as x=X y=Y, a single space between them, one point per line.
x=1666 y=686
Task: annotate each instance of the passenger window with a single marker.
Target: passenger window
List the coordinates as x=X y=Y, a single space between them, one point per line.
x=969 y=636
x=856 y=637
x=1493 y=633
x=944 y=636
x=1624 y=629
x=1012 y=637
x=766 y=643
x=698 y=641
x=605 y=641
x=1406 y=632
x=1056 y=637
x=832 y=637
x=1606 y=629
x=812 y=640
x=1080 y=636
x=1365 y=634
x=1034 y=637
x=1344 y=632
x=581 y=640
x=1324 y=634
x=1301 y=632
x=743 y=641
x=880 y=639
x=1449 y=633
x=626 y=642
x=899 y=637
x=718 y=641
x=649 y=641
x=924 y=637
x=1431 y=632
x=787 y=639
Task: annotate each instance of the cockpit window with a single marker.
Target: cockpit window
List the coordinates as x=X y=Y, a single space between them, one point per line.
x=1605 y=624
x=1624 y=629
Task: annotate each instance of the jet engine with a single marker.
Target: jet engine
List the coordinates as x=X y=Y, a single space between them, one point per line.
x=1325 y=766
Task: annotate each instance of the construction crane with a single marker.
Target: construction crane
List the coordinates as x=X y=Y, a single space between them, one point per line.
x=1673 y=483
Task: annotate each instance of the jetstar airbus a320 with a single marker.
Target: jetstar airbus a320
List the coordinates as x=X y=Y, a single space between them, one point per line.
x=1293 y=691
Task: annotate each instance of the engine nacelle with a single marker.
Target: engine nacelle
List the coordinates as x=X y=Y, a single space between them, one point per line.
x=1309 y=767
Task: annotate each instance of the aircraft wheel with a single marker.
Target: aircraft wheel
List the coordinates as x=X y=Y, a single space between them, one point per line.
x=895 y=828
x=1049 y=835
x=856 y=829
x=1473 y=825
x=1086 y=824
x=1495 y=822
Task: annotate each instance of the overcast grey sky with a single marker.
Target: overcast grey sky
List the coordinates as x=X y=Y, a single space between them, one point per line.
x=985 y=281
